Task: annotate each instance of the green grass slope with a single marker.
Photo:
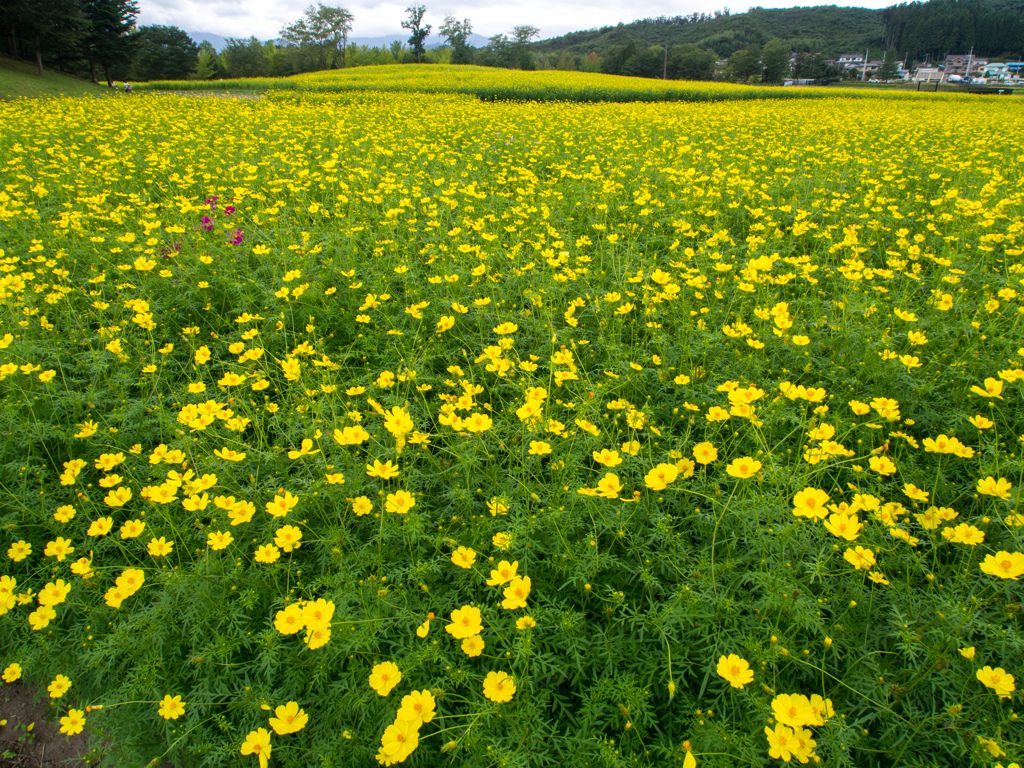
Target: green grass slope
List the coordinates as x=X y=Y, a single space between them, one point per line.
x=19 y=79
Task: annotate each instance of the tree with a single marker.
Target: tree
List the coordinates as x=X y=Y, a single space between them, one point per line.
x=244 y=58
x=616 y=56
x=457 y=34
x=45 y=26
x=324 y=27
x=417 y=29
x=107 y=43
x=566 y=62
x=163 y=53
x=690 y=62
x=889 y=68
x=521 y=37
x=745 y=63
x=208 y=63
x=775 y=59
x=591 y=63
x=647 y=62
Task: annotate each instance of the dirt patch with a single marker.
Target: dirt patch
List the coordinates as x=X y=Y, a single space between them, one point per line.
x=44 y=745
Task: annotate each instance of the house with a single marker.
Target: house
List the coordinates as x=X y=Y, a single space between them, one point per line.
x=851 y=61
x=956 y=64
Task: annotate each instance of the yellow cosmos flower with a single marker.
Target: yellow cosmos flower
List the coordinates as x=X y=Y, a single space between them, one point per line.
x=384 y=677
x=499 y=687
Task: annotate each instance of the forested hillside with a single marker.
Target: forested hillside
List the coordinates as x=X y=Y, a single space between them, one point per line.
x=994 y=27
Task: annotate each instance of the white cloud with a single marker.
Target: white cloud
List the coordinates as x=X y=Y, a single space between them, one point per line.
x=265 y=18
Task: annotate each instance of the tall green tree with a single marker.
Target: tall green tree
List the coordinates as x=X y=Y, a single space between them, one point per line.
x=51 y=27
x=775 y=61
x=208 y=64
x=745 y=63
x=418 y=31
x=325 y=27
x=163 y=53
x=647 y=62
x=457 y=34
x=244 y=58
x=690 y=62
x=889 y=68
x=107 y=42
x=521 y=37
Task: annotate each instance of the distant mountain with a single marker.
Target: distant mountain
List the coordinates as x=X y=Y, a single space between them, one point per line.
x=828 y=29
x=216 y=41
x=433 y=41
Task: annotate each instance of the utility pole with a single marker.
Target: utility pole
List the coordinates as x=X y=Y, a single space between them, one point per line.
x=864 y=71
x=970 y=56
x=664 y=71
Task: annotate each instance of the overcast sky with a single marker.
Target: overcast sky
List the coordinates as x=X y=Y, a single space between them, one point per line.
x=265 y=18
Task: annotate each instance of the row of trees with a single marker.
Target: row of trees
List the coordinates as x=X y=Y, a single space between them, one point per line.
x=97 y=33
x=935 y=28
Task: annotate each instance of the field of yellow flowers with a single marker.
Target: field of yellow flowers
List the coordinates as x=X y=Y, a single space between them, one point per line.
x=382 y=427
x=490 y=84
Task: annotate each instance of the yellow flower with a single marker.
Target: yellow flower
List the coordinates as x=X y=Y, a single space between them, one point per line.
x=539 y=448
x=992 y=487
x=465 y=622
x=525 y=622
x=289 y=719
x=59 y=686
x=384 y=471
x=267 y=553
x=73 y=723
x=967 y=653
x=361 y=505
x=384 y=677
x=171 y=708
x=464 y=557
x=744 y=467
x=860 y=558
x=811 y=502
x=400 y=740
x=844 y=526
x=399 y=502
x=998 y=680
x=12 y=673
x=607 y=458
x=516 y=593
x=229 y=455
x=288 y=537
x=882 y=465
x=258 y=743
x=704 y=453
x=417 y=708
x=661 y=476
x=217 y=540
x=306 y=449
x=473 y=646
x=794 y=710
x=291 y=620
x=1005 y=565
x=499 y=687
x=993 y=388
x=736 y=670
x=59 y=548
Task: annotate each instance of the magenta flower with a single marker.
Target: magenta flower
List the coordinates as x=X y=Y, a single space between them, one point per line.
x=237 y=239
x=207 y=223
